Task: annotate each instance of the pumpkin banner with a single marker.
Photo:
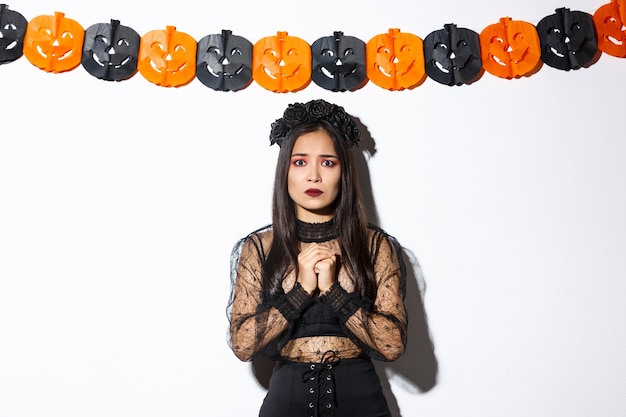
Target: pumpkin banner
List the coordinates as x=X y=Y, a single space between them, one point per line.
x=12 y=31
x=395 y=60
x=452 y=55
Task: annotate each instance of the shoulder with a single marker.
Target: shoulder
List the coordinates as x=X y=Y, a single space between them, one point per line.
x=376 y=232
x=257 y=240
x=260 y=233
x=381 y=240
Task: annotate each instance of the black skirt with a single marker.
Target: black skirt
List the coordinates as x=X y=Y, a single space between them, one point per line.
x=331 y=388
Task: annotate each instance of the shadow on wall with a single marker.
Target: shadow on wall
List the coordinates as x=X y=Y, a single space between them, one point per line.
x=416 y=371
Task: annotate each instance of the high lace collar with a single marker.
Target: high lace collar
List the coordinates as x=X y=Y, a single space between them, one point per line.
x=316 y=232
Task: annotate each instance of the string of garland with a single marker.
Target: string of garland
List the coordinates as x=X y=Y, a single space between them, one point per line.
x=395 y=60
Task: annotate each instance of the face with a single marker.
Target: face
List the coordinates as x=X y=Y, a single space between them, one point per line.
x=568 y=39
x=281 y=63
x=12 y=31
x=110 y=51
x=224 y=61
x=453 y=55
x=314 y=177
x=339 y=62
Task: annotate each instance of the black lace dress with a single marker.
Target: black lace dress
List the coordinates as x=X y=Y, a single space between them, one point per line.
x=323 y=345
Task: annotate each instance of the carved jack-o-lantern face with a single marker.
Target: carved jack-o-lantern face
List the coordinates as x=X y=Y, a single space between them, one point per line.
x=510 y=48
x=167 y=57
x=395 y=60
x=568 y=39
x=281 y=63
x=110 y=51
x=54 y=43
x=339 y=62
x=452 y=55
x=610 y=23
x=12 y=31
x=224 y=61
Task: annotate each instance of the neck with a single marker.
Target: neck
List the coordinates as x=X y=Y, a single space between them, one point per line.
x=316 y=231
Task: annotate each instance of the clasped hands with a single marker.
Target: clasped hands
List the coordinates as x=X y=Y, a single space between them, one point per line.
x=317 y=268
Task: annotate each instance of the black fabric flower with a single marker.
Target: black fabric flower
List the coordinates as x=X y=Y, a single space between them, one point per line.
x=319 y=109
x=295 y=114
x=298 y=113
x=279 y=131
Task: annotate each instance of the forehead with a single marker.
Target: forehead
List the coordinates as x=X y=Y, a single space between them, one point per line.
x=317 y=142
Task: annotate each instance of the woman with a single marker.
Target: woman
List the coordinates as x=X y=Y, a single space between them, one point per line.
x=319 y=290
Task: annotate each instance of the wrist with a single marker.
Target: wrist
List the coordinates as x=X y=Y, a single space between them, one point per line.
x=324 y=291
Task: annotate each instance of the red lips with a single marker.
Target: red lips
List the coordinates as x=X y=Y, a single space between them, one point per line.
x=313 y=192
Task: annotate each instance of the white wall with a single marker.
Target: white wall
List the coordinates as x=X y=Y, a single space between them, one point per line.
x=120 y=203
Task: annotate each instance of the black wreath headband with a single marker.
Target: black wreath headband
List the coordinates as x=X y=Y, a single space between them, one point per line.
x=298 y=113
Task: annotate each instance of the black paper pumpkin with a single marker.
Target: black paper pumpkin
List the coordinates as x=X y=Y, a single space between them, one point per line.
x=568 y=39
x=12 y=30
x=110 y=51
x=224 y=61
x=339 y=62
x=452 y=55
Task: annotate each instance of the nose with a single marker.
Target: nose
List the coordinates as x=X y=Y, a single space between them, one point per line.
x=314 y=175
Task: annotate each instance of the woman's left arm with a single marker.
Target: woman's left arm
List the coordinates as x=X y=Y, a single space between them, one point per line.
x=378 y=327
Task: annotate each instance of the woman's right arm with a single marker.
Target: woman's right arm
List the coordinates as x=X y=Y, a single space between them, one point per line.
x=258 y=326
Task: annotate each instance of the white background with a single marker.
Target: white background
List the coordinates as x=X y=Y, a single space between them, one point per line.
x=120 y=203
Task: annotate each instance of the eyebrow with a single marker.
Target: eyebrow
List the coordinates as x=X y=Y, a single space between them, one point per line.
x=322 y=155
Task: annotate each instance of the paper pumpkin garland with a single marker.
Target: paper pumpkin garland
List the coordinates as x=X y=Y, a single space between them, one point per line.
x=339 y=62
x=568 y=39
x=395 y=60
x=510 y=48
x=452 y=55
x=12 y=31
x=610 y=23
x=54 y=43
x=224 y=61
x=284 y=63
x=167 y=57
x=281 y=63
x=110 y=51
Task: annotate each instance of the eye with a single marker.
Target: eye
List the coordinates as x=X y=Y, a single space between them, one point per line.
x=298 y=162
x=328 y=163
x=215 y=50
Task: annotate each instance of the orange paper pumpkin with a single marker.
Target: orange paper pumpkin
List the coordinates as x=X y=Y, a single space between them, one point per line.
x=395 y=60
x=281 y=63
x=54 y=43
x=167 y=57
x=510 y=48
x=610 y=23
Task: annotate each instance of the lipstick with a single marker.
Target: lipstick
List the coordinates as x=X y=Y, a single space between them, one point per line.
x=313 y=192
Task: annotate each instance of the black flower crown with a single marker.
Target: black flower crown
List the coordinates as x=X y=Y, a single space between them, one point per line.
x=298 y=113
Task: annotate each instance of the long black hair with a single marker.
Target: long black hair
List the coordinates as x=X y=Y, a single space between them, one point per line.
x=349 y=217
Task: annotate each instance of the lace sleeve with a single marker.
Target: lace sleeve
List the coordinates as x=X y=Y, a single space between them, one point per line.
x=378 y=327
x=258 y=326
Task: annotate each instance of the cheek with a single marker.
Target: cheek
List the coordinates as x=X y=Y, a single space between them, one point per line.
x=291 y=183
x=336 y=181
